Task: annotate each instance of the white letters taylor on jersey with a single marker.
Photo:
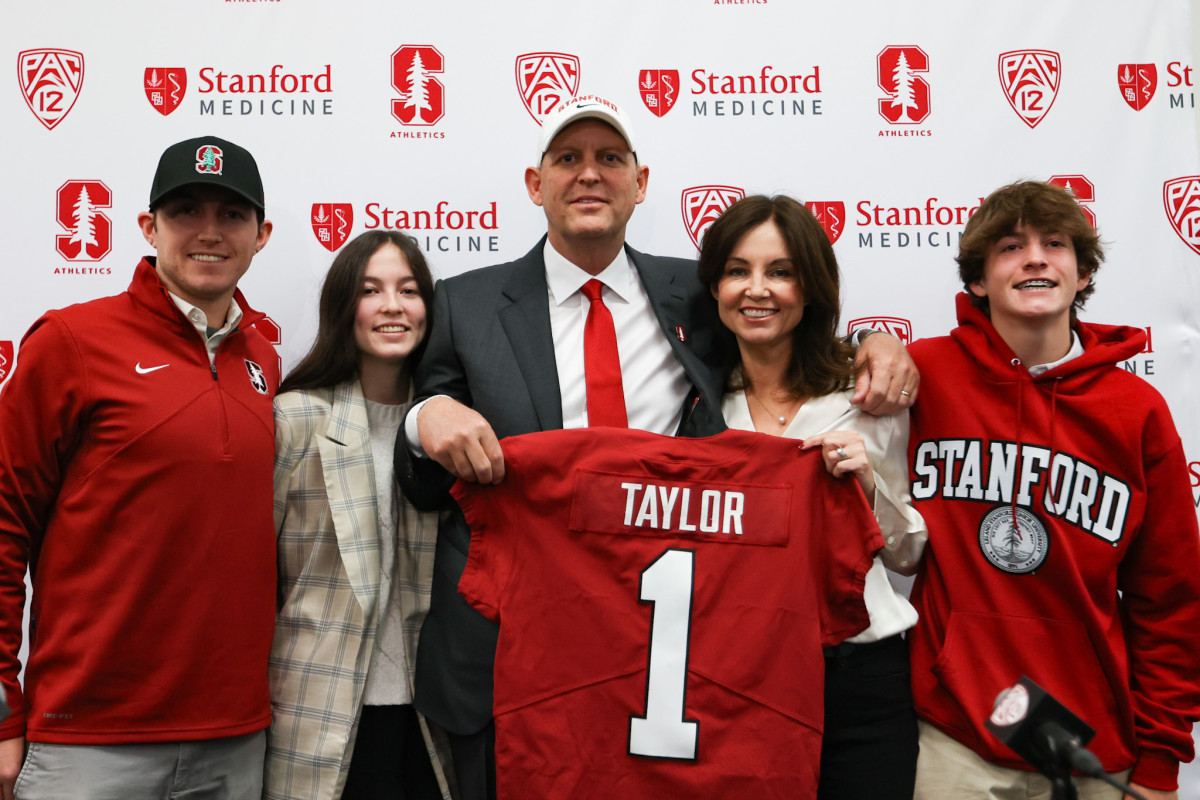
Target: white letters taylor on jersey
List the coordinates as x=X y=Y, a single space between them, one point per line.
x=663 y=604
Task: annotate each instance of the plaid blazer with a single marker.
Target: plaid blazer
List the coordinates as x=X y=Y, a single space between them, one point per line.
x=329 y=584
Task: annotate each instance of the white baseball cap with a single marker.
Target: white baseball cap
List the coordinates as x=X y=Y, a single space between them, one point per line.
x=587 y=106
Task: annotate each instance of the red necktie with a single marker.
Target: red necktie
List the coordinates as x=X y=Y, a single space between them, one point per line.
x=601 y=364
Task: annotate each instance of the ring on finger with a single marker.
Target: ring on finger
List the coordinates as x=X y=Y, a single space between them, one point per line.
x=842 y=454
x=903 y=393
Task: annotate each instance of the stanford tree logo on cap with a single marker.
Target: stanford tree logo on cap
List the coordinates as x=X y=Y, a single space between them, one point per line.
x=209 y=160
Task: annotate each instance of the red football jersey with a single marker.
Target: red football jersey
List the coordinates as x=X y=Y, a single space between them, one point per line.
x=663 y=606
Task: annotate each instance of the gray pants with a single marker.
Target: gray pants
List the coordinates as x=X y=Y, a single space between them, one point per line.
x=213 y=769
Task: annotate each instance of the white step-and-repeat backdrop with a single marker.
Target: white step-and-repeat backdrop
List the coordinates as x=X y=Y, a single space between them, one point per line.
x=891 y=119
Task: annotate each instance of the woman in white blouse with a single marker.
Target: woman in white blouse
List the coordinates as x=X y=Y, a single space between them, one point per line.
x=355 y=560
x=773 y=273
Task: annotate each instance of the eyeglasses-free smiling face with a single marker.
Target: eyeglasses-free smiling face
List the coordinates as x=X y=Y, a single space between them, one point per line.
x=758 y=295
x=390 y=320
x=1030 y=277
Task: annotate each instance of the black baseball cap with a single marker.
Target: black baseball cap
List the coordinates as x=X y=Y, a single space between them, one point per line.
x=211 y=160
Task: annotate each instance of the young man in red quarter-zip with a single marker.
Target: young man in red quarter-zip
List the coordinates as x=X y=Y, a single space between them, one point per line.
x=136 y=446
x=1063 y=542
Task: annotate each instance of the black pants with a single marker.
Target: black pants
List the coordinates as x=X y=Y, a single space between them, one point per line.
x=390 y=761
x=870 y=745
x=475 y=763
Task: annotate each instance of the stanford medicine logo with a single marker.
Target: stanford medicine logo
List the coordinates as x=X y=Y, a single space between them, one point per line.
x=546 y=79
x=659 y=89
x=6 y=360
x=703 y=204
x=165 y=87
x=1083 y=189
x=832 y=216
x=1181 y=198
x=332 y=223
x=88 y=234
x=1030 y=81
x=50 y=81
x=906 y=93
x=1137 y=83
x=422 y=96
x=896 y=326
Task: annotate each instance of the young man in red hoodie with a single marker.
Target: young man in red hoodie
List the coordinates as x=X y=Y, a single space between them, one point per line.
x=1063 y=542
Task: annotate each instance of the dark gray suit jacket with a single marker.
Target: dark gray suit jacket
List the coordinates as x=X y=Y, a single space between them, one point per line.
x=490 y=347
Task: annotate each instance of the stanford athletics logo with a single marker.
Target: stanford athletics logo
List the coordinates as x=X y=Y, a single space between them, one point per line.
x=422 y=96
x=906 y=93
x=659 y=89
x=1137 y=83
x=1083 y=189
x=89 y=232
x=209 y=159
x=1030 y=81
x=165 y=87
x=832 y=216
x=332 y=223
x=6 y=360
x=703 y=204
x=1181 y=198
x=50 y=80
x=896 y=326
x=546 y=79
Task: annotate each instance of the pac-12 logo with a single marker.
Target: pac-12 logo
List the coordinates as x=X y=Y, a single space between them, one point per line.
x=332 y=223
x=896 y=326
x=703 y=204
x=1083 y=189
x=659 y=89
x=546 y=79
x=88 y=234
x=1137 y=83
x=165 y=87
x=1181 y=198
x=1030 y=80
x=422 y=96
x=832 y=216
x=6 y=360
x=50 y=80
x=906 y=93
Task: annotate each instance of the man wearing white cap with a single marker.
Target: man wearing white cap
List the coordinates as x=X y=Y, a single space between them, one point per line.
x=136 y=449
x=582 y=330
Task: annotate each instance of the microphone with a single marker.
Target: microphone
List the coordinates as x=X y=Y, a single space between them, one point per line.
x=1047 y=736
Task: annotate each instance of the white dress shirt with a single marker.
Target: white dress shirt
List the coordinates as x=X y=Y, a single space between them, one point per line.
x=904 y=534
x=652 y=379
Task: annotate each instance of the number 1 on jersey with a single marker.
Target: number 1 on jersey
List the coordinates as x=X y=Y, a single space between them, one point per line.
x=663 y=732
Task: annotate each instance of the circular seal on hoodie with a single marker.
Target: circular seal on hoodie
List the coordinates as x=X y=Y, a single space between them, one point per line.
x=1016 y=551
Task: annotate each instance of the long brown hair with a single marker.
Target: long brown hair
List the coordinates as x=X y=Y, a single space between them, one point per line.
x=333 y=358
x=821 y=362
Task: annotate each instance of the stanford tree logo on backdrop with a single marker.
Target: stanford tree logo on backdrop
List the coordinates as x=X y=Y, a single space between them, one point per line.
x=703 y=204
x=1030 y=80
x=659 y=89
x=906 y=93
x=1181 y=199
x=896 y=326
x=165 y=87
x=1137 y=83
x=6 y=359
x=1083 y=189
x=50 y=80
x=88 y=234
x=832 y=216
x=422 y=96
x=332 y=224
x=546 y=79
